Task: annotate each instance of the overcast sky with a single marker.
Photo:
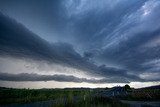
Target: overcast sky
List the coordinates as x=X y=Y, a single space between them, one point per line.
x=81 y=43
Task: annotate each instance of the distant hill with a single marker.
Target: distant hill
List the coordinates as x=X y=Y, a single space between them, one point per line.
x=152 y=87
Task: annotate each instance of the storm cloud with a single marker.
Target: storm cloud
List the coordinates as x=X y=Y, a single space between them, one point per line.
x=60 y=78
x=115 y=40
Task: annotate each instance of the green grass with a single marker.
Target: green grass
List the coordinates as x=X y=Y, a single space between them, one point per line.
x=73 y=97
x=90 y=101
x=61 y=97
x=8 y=96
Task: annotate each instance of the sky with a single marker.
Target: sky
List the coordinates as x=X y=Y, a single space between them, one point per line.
x=79 y=43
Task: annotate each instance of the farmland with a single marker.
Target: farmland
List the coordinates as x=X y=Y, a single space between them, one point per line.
x=59 y=97
x=77 y=97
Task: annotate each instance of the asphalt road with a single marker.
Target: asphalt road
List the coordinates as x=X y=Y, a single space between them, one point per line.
x=142 y=103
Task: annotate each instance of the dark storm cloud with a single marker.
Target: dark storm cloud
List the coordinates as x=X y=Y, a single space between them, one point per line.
x=16 y=41
x=60 y=78
x=118 y=35
x=131 y=54
x=98 y=19
x=128 y=49
x=45 y=18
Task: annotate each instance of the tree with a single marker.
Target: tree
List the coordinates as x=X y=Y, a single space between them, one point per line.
x=127 y=87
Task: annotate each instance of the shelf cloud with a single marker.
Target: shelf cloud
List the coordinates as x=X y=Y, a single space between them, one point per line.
x=114 y=40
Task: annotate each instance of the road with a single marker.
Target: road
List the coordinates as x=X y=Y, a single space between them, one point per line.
x=142 y=103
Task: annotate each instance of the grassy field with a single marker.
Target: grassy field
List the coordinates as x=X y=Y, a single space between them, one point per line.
x=90 y=101
x=75 y=97
x=8 y=95
x=62 y=97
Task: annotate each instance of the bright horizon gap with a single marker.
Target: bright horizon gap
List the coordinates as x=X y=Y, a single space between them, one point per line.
x=61 y=85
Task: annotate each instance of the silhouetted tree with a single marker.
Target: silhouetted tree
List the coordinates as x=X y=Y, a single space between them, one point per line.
x=127 y=87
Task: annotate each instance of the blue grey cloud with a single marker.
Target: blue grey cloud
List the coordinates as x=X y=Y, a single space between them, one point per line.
x=114 y=39
x=16 y=41
x=59 y=78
